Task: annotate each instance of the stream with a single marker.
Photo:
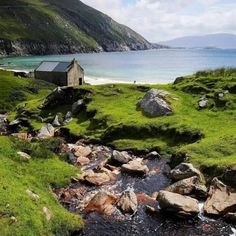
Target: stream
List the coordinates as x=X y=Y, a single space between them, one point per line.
x=77 y=195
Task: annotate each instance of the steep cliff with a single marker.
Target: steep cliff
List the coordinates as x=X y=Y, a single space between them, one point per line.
x=66 y=26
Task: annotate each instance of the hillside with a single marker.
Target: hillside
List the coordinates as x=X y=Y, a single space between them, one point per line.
x=224 y=41
x=50 y=27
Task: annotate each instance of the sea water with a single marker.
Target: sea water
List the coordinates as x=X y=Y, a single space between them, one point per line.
x=152 y=66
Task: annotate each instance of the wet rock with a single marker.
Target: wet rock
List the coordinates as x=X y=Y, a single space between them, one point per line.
x=184 y=187
x=184 y=171
x=96 y=178
x=121 y=157
x=48 y=213
x=77 y=106
x=82 y=161
x=151 y=210
x=229 y=177
x=230 y=217
x=153 y=155
x=153 y=103
x=56 y=122
x=46 y=132
x=128 y=201
x=135 y=166
x=82 y=151
x=181 y=206
x=200 y=192
x=32 y=195
x=220 y=200
x=24 y=155
x=102 y=202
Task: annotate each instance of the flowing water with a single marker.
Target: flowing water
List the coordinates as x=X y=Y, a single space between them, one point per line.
x=152 y=66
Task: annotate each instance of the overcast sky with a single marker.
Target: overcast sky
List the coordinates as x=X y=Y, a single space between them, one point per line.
x=159 y=20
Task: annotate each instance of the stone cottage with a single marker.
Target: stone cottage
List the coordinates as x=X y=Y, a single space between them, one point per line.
x=60 y=73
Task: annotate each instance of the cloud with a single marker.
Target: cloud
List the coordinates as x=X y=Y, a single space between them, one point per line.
x=159 y=20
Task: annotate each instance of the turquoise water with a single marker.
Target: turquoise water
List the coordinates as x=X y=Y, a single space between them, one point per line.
x=154 y=66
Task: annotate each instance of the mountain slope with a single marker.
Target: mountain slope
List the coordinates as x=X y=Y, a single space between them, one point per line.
x=224 y=41
x=66 y=26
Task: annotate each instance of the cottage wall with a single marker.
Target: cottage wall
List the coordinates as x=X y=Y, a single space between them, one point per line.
x=58 y=78
x=75 y=75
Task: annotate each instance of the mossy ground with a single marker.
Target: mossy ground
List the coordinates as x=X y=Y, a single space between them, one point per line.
x=38 y=175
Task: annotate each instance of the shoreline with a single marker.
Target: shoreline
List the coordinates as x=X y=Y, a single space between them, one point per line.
x=90 y=79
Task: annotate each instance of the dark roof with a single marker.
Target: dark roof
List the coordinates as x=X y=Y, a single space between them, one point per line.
x=54 y=66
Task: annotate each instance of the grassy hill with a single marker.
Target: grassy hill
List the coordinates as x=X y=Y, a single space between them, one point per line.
x=51 y=26
x=112 y=117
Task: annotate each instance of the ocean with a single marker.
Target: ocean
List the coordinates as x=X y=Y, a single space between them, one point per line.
x=152 y=66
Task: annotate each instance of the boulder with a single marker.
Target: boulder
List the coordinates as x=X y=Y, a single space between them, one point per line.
x=32 y=195
x=24 y=155
x=203 y=103
x=121 y=157
x=153 y=155
x=56 y=122
x=220 y=200
x=177 y=204
x=77 y=106
x=82 y=151
x=102 y=202
x=153 y=103
x=229 y=177
x=68 y=118
x=46 y=131
x=128 y=201
x=96 y=178
x=184 y=171
x=135 y=166
x=184 y=187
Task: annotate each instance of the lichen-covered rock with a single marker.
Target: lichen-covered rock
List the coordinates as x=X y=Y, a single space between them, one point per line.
x=128 y=201
x=153 y=103
x=184 y=171
x=220 y=200
x=182 y=206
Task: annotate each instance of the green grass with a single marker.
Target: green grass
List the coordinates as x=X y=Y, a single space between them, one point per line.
x=37 y=175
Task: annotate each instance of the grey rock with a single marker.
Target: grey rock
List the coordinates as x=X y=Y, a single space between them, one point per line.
x=56 y=122
x=184 y=187
x=153 y=155
x=203 y=103
x=77 y=106
x=184 y=171
x=182 y=206
x=68 y=118
x=46 y=132
x=24 y=155
x=122 y=157
x=154 y=105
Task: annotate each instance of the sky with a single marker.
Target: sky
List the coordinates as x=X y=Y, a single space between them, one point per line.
x=160 y=20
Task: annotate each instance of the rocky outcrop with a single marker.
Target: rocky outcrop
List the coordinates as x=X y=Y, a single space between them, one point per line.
x=135 y=166
x=220 y=200
x=128 y=202
x=184 y=171
x=153 y=103
x=177 y=204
